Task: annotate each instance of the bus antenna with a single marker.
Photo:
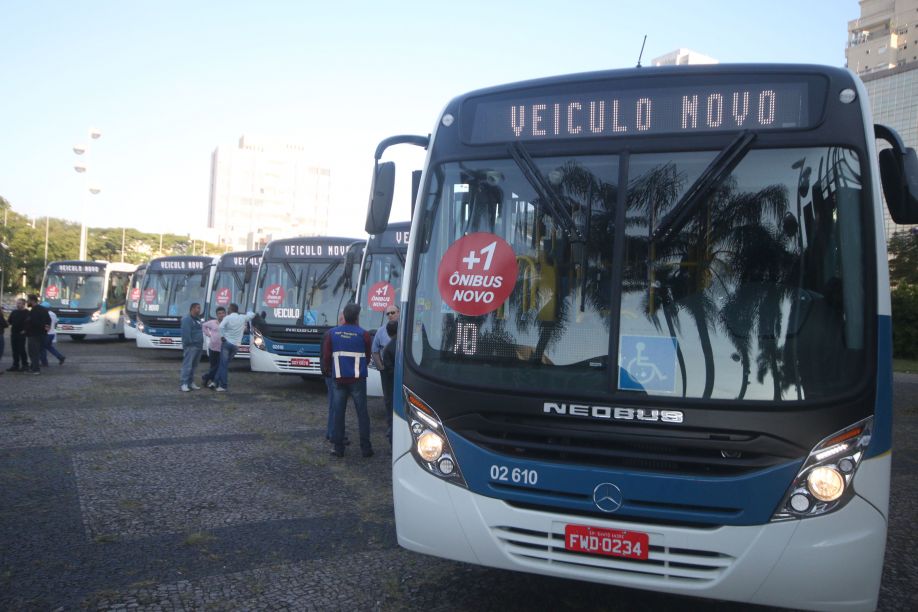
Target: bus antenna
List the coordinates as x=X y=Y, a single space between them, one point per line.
x=641 y=54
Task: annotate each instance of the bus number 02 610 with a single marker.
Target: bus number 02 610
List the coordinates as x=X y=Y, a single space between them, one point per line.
x=502 y=473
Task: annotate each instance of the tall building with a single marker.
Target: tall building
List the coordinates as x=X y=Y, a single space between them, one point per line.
x=262 y=189
x=883 y=51
x=682 y=57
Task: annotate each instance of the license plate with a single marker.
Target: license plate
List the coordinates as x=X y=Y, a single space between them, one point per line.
x=298 y=362
x=609 y=542
x=165 y=340
x=66 y=326
x=243 y=349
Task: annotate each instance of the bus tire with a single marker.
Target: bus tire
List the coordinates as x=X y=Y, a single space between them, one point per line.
x=121 y=337
x=77 y=337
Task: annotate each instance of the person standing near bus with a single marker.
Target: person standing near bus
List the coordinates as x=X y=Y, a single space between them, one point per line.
x=3 y=326
x=232 y=328
x=192 y=345
x=345 y=354
x=18 y=319
x=387 y=373
x=381 y=339
x=211 y=331
x=330 y=389
x=37 y=326
x=51 y=340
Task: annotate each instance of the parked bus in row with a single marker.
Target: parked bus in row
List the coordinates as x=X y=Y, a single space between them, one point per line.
x=379 y=284
x=170 y=285
x=645 y=337
x=87 y=296
x=233 y=282
x=302 y=285
x=132 y=303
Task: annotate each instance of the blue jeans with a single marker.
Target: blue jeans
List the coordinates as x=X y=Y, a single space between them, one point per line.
x=227 y=352
x=213 y=360
x=48 y=348
x=190 y=359
x=330 y=387
x=358 y=391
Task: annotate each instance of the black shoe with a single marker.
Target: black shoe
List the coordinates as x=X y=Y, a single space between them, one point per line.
x=367 y=452
x=12 y=369
x=62 y=361
x=336 y=453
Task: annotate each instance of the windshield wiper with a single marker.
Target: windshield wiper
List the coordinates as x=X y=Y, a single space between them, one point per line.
x=546 y=193
x=710 y=179
x=318 y=282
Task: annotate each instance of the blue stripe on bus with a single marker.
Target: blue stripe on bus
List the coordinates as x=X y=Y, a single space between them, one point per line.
x=292 y=349
x=73 y=320
x=881 y=438
x=749 y=499
x=163 y=332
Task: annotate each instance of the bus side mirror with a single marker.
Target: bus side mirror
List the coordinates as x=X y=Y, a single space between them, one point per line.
x=381 y=192
x=899 y=174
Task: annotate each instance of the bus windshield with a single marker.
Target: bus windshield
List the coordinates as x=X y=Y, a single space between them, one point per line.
x=763 y=279
x=133 y=297
x=83 y=291
x=228 y=288
x=301 y=293
x=171 y=294
x=380 y=287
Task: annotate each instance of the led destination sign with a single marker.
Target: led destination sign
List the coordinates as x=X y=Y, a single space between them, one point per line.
x=297 y=250
x=630 y=111
x=178 y=265
x=76 y=268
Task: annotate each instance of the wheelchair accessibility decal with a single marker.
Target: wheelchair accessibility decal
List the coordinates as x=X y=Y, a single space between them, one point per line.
x=647 y=363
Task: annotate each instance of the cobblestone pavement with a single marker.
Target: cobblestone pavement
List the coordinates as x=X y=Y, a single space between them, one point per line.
x=119 y=492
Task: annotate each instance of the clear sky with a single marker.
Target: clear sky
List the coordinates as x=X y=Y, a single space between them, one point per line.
x=168 y=81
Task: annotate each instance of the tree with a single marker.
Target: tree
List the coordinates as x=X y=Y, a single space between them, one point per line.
x=903 y=262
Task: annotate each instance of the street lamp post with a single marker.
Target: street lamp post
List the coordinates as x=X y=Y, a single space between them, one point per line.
x=82 y=166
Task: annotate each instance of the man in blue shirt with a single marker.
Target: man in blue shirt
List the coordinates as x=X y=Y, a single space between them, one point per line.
x=345 y=354
x=192 y=345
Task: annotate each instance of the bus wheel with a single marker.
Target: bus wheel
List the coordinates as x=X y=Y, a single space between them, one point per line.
x=77 y=337
x=121 y=337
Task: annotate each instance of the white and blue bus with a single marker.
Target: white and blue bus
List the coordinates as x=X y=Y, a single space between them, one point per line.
x=87 y=296
x=233 y=282
x=302 y=285
x=646 y=335
x=132 y=303
x=380 y=283
x=170 y=286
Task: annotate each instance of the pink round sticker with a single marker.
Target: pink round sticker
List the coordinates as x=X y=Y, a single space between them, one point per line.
x=149 y=295
x=477 y=274
x=51 y=292
x=274 y=295
x=223 y=296
x=380 y=296
x=135 y=294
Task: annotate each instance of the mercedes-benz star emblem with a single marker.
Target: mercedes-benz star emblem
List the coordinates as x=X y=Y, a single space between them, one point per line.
x=607 y=497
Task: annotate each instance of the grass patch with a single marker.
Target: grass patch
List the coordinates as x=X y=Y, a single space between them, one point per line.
x=909 y=366
x=105 y=538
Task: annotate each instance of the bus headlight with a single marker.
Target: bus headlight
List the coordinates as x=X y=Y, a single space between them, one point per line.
x=95 y=316
x=258 y=340
x=431 y=448
x=823 y=484
x=140 y=326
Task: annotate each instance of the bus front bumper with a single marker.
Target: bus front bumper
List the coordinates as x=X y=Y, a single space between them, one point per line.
x=262 y=361
x=830 y=563
x=158 y=342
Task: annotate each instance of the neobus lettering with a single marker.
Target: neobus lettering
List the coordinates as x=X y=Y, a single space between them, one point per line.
x=712 y=111
x=608 y=412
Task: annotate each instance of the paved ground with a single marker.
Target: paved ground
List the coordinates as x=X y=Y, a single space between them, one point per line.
x=119 y=492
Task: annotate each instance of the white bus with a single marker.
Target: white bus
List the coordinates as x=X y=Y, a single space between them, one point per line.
x=132 y=303
x=87 y=296
x=233 y=283
x=170 y=285
x=646 y=337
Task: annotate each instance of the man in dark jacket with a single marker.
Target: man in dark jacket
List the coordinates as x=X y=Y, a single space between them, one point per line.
x=345 y=354
x=17 y=321
x=37 y=327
